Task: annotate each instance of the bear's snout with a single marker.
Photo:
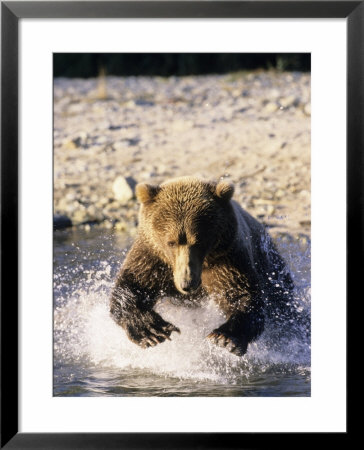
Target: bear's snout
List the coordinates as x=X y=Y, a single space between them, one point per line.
x=187 y=273
x=189 y=285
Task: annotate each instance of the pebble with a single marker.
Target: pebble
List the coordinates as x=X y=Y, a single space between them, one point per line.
x=307 y=109
x=279 y=193
x=271 y=107
x=80 y=216
x=287 y=102
x=120 y=226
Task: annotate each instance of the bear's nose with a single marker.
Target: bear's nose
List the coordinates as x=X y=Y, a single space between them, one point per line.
x=189 y=285
x=186 y=286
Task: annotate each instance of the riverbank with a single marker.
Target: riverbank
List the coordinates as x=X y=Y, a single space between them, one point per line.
x=252 y=129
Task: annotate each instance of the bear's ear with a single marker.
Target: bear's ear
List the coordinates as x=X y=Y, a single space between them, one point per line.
x=224 y=190
x=146 y=192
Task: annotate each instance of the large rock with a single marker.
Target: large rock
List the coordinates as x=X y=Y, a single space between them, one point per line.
x=124 y=189
x=61 y=221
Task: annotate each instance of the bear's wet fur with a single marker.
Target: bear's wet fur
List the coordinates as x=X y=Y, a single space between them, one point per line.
x=195 y=241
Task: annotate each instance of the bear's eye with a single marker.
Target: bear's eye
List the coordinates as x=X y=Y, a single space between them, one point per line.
x=171 y=244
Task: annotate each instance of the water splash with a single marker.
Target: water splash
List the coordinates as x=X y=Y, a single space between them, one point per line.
x=85 y=336
x=85 y=333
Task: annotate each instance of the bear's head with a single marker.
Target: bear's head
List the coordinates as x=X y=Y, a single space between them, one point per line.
x=186 y=220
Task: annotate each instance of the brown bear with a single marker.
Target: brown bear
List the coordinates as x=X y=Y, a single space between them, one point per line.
x=194 y=240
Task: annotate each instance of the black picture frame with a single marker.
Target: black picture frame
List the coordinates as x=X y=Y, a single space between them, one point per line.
x=11 y=12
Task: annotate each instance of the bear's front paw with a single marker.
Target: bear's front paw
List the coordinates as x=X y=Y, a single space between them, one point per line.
x=235 y=345
x=149 y=329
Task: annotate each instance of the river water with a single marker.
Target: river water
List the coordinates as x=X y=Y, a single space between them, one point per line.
x=93 y=356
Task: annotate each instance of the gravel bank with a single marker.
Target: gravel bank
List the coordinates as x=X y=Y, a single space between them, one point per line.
x=250 y=128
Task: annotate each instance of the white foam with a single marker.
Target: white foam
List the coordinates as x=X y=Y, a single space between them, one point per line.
x=86 y=334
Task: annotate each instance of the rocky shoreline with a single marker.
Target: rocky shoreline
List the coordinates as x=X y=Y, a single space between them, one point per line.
x=251 y=128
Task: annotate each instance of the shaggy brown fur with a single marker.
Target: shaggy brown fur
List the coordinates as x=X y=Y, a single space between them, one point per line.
x=193 y=240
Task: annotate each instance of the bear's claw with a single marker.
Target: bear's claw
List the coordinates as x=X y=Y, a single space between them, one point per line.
x=149 y=330
x=232 y=344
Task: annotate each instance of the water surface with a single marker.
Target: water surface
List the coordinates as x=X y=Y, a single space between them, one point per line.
x=93 y=356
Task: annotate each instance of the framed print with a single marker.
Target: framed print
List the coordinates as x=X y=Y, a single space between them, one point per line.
x=152 y=137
